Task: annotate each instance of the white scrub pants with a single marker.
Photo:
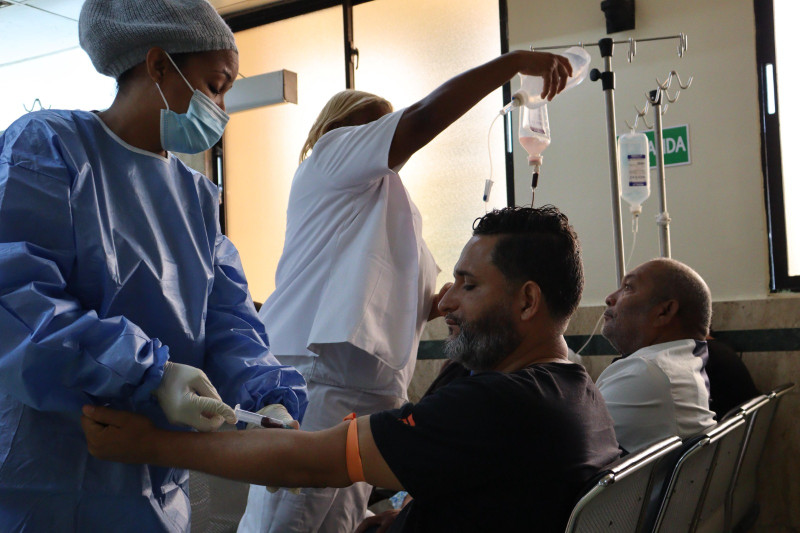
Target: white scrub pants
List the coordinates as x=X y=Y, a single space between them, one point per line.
x=317 y=510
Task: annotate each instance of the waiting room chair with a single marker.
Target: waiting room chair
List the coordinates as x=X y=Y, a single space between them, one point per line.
x=741 y=506
x=614 y=500
x=715 y=515
x=710 y=515
x=687 y=484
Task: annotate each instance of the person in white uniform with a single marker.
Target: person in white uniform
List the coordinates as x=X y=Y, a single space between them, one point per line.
x=355 y=283
x=658 y=320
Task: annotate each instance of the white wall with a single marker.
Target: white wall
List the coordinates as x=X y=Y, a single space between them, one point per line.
x=717 y=202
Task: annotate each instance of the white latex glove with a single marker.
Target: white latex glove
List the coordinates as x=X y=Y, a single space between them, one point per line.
x=277 y=411
x=188 y=398
x=274 y=410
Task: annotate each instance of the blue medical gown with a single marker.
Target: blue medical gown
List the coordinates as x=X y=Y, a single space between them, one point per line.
x=111 y=262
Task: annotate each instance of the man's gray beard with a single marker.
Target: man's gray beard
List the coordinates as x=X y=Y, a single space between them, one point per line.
x=482 y=344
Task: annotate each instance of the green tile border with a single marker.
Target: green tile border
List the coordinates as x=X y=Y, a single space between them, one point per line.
x=762 y=340
x=751 y=340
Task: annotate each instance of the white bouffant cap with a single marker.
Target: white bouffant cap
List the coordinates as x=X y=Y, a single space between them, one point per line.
x=118 y=33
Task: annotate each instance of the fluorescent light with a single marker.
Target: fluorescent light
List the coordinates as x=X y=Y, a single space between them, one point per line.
x=770 y=75
x=277 y=87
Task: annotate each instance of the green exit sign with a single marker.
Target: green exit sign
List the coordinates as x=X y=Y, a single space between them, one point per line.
x=676 y=146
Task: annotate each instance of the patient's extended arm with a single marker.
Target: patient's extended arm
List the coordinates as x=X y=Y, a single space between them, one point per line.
x=277 y=457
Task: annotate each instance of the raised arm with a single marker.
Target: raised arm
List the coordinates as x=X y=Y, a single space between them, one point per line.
x=425 y=119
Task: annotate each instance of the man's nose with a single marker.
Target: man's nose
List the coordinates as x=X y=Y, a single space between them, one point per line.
x=611 y=299
x=447 y=302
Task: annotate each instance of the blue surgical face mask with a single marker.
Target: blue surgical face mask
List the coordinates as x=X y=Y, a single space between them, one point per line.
x=195 y=131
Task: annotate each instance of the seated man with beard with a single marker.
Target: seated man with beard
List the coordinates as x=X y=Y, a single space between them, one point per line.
x=506 y=447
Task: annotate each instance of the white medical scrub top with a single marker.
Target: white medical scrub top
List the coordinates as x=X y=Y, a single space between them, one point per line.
x=658 y=391
x=355 y=281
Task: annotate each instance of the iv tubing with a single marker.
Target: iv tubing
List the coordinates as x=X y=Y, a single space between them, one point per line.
x=488 y=185
x=585 y=344
x=516 y=101
x=635 y=228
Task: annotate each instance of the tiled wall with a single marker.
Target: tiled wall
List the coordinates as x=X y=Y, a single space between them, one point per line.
x=779 y=473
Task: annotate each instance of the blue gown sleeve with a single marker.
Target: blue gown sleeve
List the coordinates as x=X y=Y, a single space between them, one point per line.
x=238 y=360
x=56 y=355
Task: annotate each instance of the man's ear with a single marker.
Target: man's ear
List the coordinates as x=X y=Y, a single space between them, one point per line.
x=665 y=312
x=157 y=64
x=530 y=297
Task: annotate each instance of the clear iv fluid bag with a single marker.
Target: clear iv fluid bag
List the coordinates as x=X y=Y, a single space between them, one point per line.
x=531 y=87
x=534 y=132
x=634 y=169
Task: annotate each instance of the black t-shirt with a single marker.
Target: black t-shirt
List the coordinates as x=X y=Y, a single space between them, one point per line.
x=449 y=372
x=497 y=451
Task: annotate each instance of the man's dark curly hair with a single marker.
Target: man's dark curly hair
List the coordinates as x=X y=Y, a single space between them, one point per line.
x=537 y=244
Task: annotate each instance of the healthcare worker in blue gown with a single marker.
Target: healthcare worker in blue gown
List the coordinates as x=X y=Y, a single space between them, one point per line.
x=116 y=286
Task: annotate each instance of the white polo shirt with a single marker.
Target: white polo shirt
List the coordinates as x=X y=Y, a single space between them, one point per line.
x=658 y=391
x=355 y=281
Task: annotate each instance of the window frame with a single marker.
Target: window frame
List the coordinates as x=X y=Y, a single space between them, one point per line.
x=771 y=159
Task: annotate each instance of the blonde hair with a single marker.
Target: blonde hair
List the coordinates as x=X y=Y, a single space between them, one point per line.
x=337 y=110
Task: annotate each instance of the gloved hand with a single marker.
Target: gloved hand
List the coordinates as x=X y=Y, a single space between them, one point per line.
x=279 y=412
x=188 y=397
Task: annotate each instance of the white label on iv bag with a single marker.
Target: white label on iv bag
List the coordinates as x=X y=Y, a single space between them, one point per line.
x=634 y=169
x=637 y=169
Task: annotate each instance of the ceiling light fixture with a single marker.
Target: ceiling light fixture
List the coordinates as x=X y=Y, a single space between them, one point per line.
x=277 y=87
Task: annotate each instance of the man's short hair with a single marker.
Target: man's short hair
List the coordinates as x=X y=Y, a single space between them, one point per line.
x=677 y=281
x=539 y=245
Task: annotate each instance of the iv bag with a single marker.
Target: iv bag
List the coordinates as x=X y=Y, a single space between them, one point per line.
x=634 y=169
x=534 y=132
x=531 y=87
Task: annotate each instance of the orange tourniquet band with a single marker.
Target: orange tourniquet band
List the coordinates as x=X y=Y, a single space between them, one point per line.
x=355 y=470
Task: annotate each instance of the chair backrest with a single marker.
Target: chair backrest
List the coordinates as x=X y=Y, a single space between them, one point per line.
x=613 y=501
x=710 y=516
x=687 y=483
x=749 y=407
x=741 y=495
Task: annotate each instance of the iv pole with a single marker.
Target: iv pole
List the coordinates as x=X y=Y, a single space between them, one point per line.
x=606 y=46
x=606 y=51
x=663 y=217
x=654 y=100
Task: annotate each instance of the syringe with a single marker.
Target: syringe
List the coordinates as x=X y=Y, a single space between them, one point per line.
x=260 y=420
